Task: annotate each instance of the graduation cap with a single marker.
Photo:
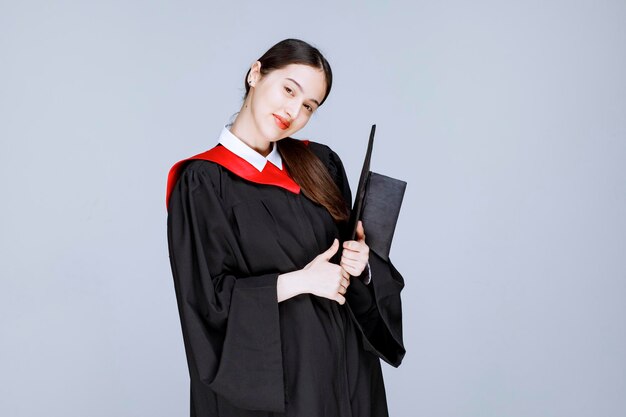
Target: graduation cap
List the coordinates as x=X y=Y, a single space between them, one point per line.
x=377 y=204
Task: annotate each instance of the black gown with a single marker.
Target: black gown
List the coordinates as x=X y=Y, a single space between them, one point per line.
x=248 y=355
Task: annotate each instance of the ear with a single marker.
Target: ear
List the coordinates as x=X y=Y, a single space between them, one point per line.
x=255 y=73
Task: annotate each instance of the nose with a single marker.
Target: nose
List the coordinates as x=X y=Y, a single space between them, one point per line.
x=293 y=109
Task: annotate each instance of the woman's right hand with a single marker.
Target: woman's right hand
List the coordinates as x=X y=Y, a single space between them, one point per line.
x=318 y=277
x=327 y=279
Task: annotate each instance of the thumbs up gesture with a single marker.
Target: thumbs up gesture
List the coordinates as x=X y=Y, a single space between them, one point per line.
x=326 y=279
x=321 y=277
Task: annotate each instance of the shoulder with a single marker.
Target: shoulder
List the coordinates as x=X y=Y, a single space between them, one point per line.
x=198 y=173
x=193 y=168
x=320 y=149
x=199 y=166
x=334 y=166
x=329 y=157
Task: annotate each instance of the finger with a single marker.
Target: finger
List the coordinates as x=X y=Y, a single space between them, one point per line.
x=340 y=299
x=354 y=270
x=352 y=266
x=360 y=252
x=330 y=252
x=344 y=274
x=344 y=283
x=351 y=263
x=360 y=231
x=352 y=255
x=352 y=245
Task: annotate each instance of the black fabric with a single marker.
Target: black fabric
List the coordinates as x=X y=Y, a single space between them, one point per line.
x=381 y=208
x=249 y=355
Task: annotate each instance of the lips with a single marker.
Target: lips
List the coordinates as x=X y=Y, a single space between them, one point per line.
x=282 y=123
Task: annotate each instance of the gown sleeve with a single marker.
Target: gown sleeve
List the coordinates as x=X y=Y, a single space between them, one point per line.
x=230 y=320
x=376 y=307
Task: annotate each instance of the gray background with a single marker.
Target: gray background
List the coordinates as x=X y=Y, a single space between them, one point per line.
x=506 y=118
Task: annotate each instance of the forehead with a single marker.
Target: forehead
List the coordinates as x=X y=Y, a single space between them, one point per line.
x=312 y=80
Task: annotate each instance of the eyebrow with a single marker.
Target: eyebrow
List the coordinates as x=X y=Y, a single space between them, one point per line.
x=300 y=87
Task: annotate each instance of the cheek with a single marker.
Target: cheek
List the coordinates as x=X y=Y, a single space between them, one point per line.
x=300 y=123
x=274 y=98
x=267 y=99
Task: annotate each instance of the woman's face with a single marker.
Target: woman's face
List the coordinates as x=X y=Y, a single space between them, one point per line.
x=282 y=101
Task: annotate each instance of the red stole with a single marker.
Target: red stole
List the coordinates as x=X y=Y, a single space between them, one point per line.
x=271 y=175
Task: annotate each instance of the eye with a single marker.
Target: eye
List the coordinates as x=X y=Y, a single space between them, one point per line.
x=309 y=108
x=289 y=90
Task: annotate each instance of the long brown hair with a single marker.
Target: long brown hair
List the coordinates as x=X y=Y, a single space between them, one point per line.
x=313 y=177
x=301 y=163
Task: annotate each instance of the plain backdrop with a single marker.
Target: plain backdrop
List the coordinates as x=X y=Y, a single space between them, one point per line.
x=506 y=118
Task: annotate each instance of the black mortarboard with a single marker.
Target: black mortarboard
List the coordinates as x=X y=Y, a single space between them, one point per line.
x=377 y=204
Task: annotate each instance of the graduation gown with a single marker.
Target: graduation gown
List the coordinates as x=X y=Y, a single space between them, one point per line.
x=230 y=235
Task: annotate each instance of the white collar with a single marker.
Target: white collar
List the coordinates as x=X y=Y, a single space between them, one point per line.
x=241 y=149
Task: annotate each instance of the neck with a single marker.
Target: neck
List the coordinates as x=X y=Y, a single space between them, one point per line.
x=244 y=128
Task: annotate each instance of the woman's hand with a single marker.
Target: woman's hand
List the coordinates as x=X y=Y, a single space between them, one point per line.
x=318 y=277
x=355 y=253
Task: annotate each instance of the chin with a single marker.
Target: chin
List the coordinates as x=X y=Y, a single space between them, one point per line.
x=286 y=133
x=274 y=133
x=289 y=132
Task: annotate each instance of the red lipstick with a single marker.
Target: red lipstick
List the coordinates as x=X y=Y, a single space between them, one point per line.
x=282 y=123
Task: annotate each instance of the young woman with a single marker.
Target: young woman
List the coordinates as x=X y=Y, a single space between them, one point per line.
x=276 y=319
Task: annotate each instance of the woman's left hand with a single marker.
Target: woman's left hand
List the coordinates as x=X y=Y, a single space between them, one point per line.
x=355 y=253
